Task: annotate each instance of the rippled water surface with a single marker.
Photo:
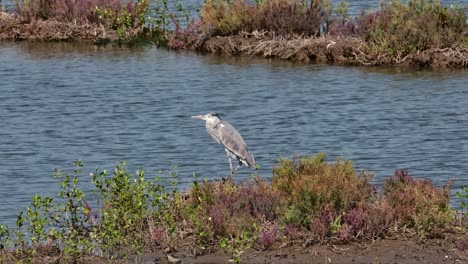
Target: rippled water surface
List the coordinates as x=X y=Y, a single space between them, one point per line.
x=62 y=102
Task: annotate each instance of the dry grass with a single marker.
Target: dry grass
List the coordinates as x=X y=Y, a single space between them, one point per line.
x=329 y=49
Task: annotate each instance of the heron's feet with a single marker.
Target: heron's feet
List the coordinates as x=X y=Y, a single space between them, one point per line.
x=228 y=179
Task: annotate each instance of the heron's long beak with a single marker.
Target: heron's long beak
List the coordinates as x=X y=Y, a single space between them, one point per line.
x=199 y=117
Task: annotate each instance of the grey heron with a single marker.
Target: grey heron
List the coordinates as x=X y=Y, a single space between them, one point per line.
x=224 y=133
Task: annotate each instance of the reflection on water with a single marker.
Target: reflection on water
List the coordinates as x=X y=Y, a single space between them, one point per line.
x=61 y=102
x=58 y=50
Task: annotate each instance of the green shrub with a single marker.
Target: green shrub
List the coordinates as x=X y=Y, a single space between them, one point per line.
x=418 y=204
x=230 y=209
x=127 y=17
x=126 y=208
x=222 y=17
x=463 y=196
x=287 y=17
x=310 y=183
x=283 y=17
x=401 y=29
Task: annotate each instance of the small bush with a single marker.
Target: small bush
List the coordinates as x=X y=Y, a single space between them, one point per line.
x=367 y=221
x=221 y=17
x=286 y=17
x=401 y=29
x=321 y=225
x=310 y=183
x=233 y=208
x=283 y=17
x=182 y=37
x=124 y=16
x=418 y=204
x=268 y=236
x=66 y=10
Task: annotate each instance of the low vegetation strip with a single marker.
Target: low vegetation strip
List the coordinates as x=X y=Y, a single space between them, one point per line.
x=308 y=202
x=416 y=32
x=95 y=20
x=329 y=49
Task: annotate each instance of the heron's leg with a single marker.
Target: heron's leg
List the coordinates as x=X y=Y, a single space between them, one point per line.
x=231 y=172
x=238 y=166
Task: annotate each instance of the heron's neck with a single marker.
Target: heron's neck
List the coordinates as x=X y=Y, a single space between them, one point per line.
x=211 y=123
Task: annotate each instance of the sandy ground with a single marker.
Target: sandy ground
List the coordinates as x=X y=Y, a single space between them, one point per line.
x=398 y=251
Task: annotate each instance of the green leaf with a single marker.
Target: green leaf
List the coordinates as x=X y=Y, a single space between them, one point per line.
x=223 y=243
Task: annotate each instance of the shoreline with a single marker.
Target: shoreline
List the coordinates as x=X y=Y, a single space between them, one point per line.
x=340 y=51
x=352 y=51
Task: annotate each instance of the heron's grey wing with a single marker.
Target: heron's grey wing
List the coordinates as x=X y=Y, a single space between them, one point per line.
x=232 y=140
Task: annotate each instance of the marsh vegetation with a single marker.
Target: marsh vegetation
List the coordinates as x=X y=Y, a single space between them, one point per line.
x=417 y=32
x=309 y=201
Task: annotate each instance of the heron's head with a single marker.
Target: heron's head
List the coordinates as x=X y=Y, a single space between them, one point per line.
x=208 y=117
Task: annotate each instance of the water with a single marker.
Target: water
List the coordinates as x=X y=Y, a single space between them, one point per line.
x=62 y=102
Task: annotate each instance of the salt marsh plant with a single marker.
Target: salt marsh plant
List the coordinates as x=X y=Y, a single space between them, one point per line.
x=462 y=219
x=309 y=199
x=130 y=19
x=284 y=17
x=236 y=246
x=287 y=17
x=333 y=200
x=463 y=196
x=313 y=185
x=401 y=28
x=123 y=209
x=68 y=10
x=221 y=17
x=418 y=204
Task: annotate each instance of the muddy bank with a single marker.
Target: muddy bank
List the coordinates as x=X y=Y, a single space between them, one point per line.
x=396 y=250
x=382 y=251
x=342 y=51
